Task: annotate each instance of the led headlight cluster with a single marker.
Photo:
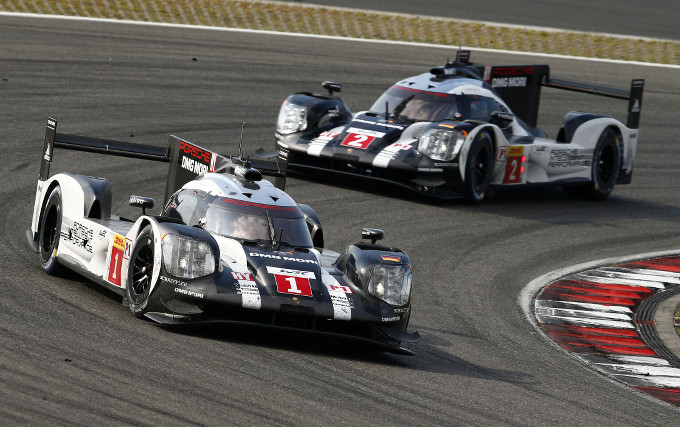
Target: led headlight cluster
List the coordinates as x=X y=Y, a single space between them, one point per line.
x=440 y=143
x=187 y=257
x=391 y=283
x=292 y=118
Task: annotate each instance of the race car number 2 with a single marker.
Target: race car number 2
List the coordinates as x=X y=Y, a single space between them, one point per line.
x=357 y=140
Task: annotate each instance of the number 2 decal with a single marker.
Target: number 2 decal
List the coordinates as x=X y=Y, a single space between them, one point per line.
x=514 y=168
x=357 y=140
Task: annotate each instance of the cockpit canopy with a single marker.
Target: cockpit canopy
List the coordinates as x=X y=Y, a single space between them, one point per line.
x=259 y=226
x=415 y=105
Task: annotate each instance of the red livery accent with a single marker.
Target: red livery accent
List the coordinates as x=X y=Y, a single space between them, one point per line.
x=293 y=285
x=670 y=395
x=512 y=71
x=357 y=140
x=260 y=205
x=195 y=152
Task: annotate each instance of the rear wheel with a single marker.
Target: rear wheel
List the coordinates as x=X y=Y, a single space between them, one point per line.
x=604 y=170
x=50 y=231
x=140 y=273
x=479 y=168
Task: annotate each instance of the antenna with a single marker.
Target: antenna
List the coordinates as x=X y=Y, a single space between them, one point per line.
x=240 y=144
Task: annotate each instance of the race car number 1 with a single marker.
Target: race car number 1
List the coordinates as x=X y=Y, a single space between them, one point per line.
x=293 y=285
x=356 y=140
x=117 y=254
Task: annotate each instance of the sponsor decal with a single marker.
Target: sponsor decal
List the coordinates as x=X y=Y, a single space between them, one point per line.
x=260 y=205
x=336 y=287
x=196 y=159
x=282 y=257
x=294 y=282
x=390 y=319
x=242 y=276
x=79 y=235
x=511 y=71
x=564 y=158
x=509 y=82
x=173 y=281
x=400 y=310
x=446 y=165
x=502 y=154
x=390 y=258
x=188 y=293
x=195 y=152
x=430 y=170
x=326 y=136
x=136 y=200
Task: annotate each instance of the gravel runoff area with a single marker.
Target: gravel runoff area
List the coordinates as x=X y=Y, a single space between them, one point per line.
x=343 y=22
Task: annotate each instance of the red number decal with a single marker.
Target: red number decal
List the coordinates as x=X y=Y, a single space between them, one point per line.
x=357 y=140
x=512 y=170
x=117 y=253
x=293 y=285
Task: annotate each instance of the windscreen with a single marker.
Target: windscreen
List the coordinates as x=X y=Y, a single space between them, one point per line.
x=245 y=226
x=415 y=105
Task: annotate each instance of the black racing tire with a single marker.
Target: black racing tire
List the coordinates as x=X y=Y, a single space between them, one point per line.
x=604 y=169
x=50 y=232
x=479 y=168
x=140 y=273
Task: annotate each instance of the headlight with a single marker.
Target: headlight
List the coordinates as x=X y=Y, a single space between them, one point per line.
x=440 y=144
x=292 y=118
x=391 y=283
x=187 y=257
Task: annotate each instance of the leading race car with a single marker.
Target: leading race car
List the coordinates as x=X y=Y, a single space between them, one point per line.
x=228 y=246
x=463 y=129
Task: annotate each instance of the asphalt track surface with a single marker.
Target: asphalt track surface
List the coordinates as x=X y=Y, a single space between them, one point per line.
x=71 y=353
x=651 y=18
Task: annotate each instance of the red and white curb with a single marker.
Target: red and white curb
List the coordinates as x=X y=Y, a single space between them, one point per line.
x=595 y=314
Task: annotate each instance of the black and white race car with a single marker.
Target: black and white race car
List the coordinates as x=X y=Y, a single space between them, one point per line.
x=462 y=129
x=228 y=246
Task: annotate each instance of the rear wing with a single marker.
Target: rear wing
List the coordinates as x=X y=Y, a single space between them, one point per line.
x=186 y=160
x=520 y=87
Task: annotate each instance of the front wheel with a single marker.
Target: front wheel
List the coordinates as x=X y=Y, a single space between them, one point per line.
x=140 y=273
x=479 y=168
x=604 y=170
x=50 y=231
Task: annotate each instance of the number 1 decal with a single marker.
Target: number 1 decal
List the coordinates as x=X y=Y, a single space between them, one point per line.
x=116 y=262
x=293 y=285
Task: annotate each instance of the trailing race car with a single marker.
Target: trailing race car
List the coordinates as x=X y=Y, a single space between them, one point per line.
x=462 y=129
x=228 y=246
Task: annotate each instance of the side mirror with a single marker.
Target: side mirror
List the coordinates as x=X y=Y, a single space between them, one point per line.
x=373 y=234
x=141 y=202
x=331 y=87
x=501 y=119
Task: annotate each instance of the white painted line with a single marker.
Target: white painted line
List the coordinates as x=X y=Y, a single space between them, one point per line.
x=584 y=305
x=589 y=277
x=653 y=274
x=580 y=321
x=634 y=276
x=316 y=36
x=649 y=381
x=584 y=314
x=617 y=368
x=641 y=360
